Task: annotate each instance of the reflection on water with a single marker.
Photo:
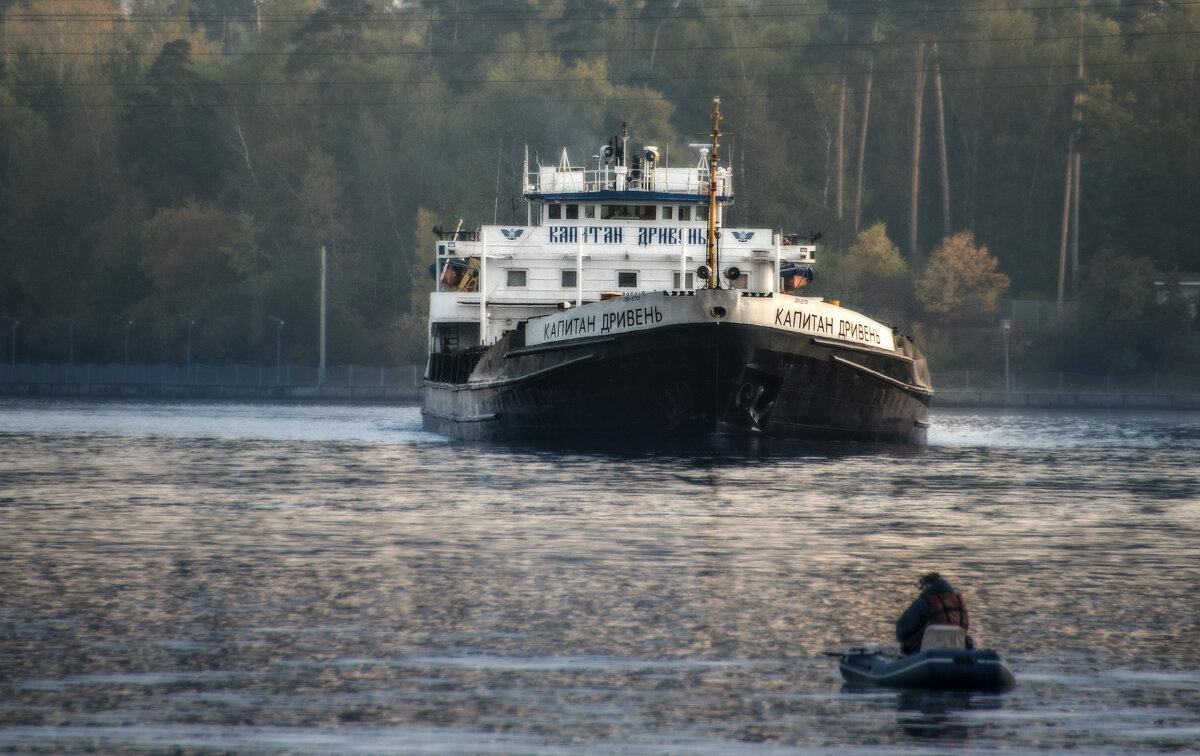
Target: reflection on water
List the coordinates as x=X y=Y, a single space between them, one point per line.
x=211 y=578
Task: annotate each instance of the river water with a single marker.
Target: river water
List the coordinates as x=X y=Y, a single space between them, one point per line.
x=212 y=578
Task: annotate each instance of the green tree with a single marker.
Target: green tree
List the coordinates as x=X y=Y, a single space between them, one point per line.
x=172 y=141
x=192 y=278
x=870 y=276
x=253 y=265
x=1123 y=325
x=410 y=331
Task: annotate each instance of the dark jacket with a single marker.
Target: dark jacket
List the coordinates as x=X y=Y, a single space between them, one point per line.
x=912 y=623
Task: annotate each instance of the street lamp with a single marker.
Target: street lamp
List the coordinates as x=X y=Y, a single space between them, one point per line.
x=15 y=323
x=190 y=323
x=128 y=324
x=1006 y=327
x=278 y=342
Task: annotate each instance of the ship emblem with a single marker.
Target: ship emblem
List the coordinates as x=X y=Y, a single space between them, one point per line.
x=512 y=234
x=743 y=236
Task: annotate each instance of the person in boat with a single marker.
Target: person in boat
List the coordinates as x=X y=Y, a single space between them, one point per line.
x=938 y=604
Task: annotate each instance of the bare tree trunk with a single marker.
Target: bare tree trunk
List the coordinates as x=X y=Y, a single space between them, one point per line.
x=242 y=147
x=941 y=119
x=1070 y=218
x=841 y=131
x=862 y=136
x=657 y=30
x=1076 y=118
x=1075 y=226
x=914 y=193
x=841 y=151
x=429 y=50
x=1062 y=247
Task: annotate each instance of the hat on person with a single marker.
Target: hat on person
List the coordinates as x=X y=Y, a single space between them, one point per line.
x=928 y=578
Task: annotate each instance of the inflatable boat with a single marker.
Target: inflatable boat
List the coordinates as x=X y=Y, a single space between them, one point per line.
x=943 y=663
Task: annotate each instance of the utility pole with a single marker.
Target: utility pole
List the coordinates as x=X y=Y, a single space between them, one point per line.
x=128 y=324
x=321 y=367
x=15 y=323
x=190 y=323
x=278 y=345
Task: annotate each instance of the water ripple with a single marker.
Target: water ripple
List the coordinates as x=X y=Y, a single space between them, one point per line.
x=269 y=579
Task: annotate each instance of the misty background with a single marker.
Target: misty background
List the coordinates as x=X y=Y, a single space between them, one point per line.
x=169 y=171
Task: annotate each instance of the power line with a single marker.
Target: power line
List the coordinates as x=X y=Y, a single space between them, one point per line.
x=622 y=50
x=540 y=98
x=760 y=11
x=949 y=72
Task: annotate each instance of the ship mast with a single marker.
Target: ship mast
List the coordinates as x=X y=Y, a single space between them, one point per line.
x=713 y=161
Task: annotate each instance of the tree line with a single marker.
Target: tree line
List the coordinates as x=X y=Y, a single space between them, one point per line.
x=180 y=165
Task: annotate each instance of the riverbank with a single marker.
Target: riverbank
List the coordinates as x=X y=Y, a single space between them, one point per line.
x=1066 y=400
x=412 y=393
x=210 y=391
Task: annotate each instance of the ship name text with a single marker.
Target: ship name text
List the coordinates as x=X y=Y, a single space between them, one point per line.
x=827 y=325
x=581 y=326
x=646 y=235
x=632 y=317
x=568 y=328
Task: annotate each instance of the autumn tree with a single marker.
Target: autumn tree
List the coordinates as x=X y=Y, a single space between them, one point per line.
x=960 y=283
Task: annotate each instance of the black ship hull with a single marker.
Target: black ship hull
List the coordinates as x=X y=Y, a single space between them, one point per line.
x=681 y=382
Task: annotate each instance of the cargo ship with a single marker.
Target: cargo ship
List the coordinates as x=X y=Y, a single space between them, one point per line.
x=625 y=310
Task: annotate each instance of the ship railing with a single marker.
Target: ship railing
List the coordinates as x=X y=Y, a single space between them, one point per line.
x=461 y=234
x=557 y=180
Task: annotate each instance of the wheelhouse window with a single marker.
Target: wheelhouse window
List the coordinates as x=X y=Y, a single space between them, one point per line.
x=554 y=212
x=639 y=212
x=685 y=213
x=667 y=212
x=627 y=279
x=516 y=279
x=689 y=281
x=572 y=212
x=741 y=282
x=589 y=211
x=569 y=279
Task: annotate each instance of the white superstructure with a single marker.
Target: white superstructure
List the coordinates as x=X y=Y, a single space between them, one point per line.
x=623 y=226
